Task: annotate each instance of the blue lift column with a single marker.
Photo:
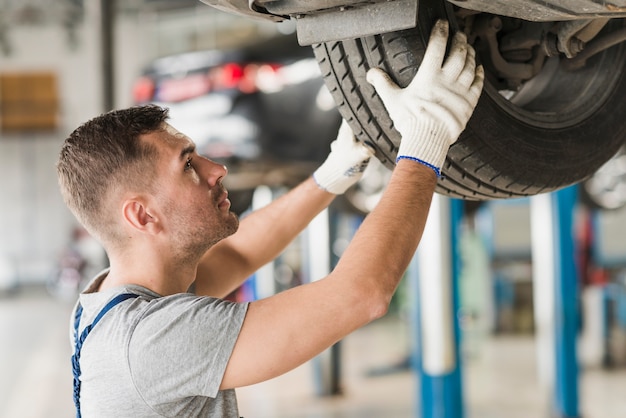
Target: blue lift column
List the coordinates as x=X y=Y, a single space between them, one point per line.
x=316 y=264
x=556 y=289
x=435 y=269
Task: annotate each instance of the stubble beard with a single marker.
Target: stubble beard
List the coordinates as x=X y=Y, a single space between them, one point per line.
x=195 y=238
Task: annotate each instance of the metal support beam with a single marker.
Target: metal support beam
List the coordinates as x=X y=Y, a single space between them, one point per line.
x=264 y=283
x=107 y=46
x=437 y=356
x=556 y=286
x=317 y=265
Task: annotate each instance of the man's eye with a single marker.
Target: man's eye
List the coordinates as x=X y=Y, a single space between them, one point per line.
x=188 y=165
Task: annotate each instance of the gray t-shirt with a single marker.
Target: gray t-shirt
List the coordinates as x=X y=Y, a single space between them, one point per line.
x=157 y=356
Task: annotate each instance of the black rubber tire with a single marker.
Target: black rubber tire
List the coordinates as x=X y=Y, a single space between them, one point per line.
x=505 y=151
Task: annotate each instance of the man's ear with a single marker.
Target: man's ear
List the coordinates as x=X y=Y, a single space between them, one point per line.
x=140 y=215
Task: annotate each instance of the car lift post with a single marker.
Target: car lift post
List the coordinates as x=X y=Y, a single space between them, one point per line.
x=555 y=287
x=435 y=271
x=317 y=263
x=316 y=241
x=264 y=283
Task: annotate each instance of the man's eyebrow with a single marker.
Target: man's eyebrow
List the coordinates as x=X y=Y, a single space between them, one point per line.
x=189 y=149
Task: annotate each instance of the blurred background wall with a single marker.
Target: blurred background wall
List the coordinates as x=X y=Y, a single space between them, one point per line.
x=63 y=62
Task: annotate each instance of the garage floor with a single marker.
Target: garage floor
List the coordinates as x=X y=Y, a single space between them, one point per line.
x=35 y=378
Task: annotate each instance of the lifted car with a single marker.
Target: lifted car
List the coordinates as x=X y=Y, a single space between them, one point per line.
x=552 y=110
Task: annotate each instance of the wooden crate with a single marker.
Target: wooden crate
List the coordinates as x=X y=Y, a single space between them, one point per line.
x=28 y=101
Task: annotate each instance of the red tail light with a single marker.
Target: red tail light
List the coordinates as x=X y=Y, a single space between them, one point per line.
x=143 y=90
x=247 y=78
x=227 y=76
x=188 y=87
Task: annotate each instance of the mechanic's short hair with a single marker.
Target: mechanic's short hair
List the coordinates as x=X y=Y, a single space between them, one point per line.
x=106 y=153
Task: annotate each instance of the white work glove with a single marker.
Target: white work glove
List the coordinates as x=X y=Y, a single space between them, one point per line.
x=345 y=164
x=432 y=111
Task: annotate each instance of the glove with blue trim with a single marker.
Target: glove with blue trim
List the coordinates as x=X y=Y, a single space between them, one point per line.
x=432 y=111
x=345 y=164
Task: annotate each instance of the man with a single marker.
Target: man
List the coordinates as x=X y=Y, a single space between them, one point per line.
x=144 y=346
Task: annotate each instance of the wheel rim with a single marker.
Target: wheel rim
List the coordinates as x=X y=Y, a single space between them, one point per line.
x=556 y=98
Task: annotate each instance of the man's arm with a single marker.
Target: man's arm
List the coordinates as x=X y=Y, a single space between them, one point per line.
x=285 y=330
x=261 y=237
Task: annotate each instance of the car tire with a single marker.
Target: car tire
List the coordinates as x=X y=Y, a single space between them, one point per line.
x=507 y=150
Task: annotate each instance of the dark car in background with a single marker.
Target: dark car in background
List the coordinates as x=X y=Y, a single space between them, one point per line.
x=262 y=110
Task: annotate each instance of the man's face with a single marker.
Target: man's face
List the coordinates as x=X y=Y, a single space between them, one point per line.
x=190 y=192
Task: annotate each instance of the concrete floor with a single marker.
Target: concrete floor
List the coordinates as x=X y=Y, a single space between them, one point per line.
x=499 y=382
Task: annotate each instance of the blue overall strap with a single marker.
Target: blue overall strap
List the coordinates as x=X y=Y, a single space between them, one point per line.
x=80 y=340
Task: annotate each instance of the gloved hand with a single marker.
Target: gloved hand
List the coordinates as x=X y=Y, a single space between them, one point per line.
x=432 y=111
x=345 y=164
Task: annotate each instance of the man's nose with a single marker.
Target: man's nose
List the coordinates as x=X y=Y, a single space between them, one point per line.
x=214 y=172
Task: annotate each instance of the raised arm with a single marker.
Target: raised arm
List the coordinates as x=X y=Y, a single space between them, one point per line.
x=265 y=233
x=285 y=330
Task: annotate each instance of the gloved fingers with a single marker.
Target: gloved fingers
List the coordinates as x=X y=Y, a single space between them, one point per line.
x=436 y=49
x=361 y=150
x=454 y=108
x=468 y=74
x=346 y=143
x=345 y=132
x=477 y=85
x=383 y=84
x=345 y=164
x=367 y=149
x=457 y=58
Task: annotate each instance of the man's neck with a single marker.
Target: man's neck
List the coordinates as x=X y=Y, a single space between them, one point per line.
x=156 y=278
